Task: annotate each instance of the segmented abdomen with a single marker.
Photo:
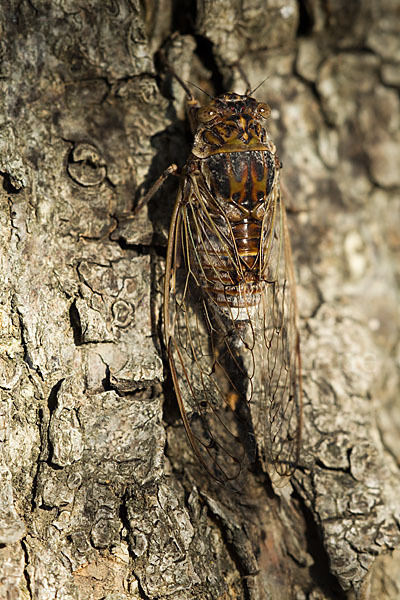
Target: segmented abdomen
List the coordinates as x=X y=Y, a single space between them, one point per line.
x=231 y=241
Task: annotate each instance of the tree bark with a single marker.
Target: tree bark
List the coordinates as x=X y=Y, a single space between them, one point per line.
x=101 y=496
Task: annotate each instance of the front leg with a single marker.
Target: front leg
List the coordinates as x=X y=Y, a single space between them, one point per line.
x=192 y=105
x=171 y=170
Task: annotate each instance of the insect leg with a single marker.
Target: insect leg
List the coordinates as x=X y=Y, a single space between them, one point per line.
x=192 y=103
x=244 y=77
x=172 y=169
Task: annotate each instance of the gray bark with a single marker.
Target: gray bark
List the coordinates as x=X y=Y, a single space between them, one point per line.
x=100 y=494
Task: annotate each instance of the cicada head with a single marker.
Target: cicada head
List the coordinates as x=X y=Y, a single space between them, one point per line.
x=230 y=123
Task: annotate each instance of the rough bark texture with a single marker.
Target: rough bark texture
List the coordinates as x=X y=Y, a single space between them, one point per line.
x=100 y=495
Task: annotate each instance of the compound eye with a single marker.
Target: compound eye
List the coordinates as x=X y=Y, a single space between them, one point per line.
x=263 y=110
x=206 y=113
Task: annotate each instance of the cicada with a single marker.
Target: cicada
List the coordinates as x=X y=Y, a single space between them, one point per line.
x=229 y=299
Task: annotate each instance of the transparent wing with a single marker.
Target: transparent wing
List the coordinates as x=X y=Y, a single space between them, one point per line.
x=236 y=370
x=277 y=397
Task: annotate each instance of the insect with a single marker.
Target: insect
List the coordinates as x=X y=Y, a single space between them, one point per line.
x=229 y=298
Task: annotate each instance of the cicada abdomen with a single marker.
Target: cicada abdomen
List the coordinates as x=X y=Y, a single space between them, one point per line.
x=230 y=309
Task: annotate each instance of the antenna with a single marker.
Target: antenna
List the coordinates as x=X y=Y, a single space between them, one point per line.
x=259 y=85
x=183 y=84
x=201 y=89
